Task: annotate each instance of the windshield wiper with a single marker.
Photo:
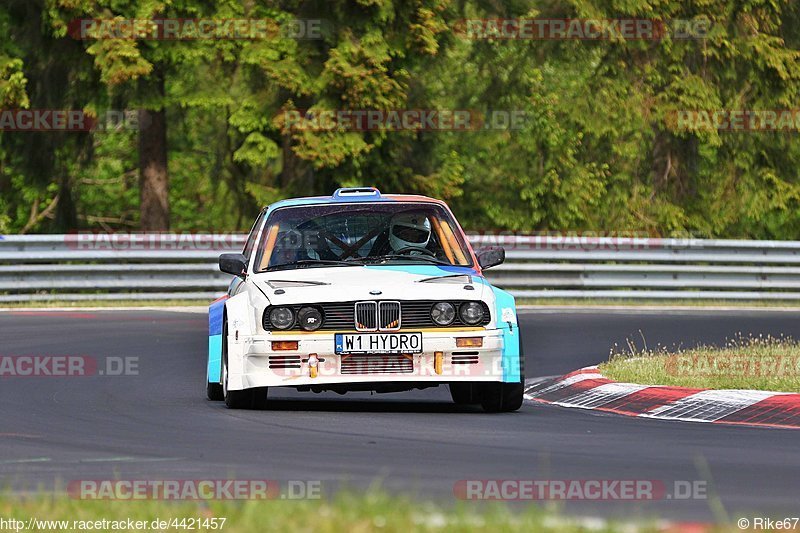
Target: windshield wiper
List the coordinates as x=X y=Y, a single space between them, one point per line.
x=302 y=263
x=427 y=258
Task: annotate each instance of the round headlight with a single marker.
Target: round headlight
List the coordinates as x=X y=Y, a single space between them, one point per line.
x=281 y=317
x=471 y=313
x=443 y=313
x=309 y=318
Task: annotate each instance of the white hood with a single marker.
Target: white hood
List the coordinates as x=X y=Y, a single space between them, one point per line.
x=346 y=284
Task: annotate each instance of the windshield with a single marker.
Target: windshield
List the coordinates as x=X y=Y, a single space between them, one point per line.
x=359 y=234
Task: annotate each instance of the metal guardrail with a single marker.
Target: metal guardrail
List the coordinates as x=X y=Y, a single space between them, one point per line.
x=162 y=267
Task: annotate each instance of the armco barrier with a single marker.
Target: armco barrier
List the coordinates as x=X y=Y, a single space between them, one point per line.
x=64 y=267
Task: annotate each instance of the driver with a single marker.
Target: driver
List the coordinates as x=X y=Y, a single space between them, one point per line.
x=409 y=230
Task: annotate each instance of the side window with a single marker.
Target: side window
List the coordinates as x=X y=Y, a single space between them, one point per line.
x=251 y=239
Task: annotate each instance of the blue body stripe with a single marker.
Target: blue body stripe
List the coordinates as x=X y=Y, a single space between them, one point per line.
x=214 y=358
x=511 y=355
x=215 y=313
x=426 y=270
x=316 y=200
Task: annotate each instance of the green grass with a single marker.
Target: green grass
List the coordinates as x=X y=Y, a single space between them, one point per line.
x=759 y=363
x=376 y=511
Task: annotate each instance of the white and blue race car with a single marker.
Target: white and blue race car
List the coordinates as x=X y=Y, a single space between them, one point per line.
x=361 y=291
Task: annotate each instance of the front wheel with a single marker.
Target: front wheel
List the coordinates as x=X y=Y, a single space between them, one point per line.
x=246 y=399
x=501 y=397
x=464 y=394
x=505 y=397
x=255 y=398
x=214 y=391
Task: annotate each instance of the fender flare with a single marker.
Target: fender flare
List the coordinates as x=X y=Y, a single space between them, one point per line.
x=240 y=317
x=216 y=315
x=513 y=364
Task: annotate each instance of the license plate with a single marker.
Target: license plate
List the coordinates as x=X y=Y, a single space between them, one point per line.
x=378 y=342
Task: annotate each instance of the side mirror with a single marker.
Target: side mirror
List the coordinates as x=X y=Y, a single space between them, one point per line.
x=491 y=256
x=235 y=264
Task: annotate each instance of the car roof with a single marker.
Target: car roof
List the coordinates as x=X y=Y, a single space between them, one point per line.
x=353 y=195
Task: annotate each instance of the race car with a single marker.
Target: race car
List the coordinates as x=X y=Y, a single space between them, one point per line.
x=361 y=291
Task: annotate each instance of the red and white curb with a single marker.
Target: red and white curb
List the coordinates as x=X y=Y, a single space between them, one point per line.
x=587 y=388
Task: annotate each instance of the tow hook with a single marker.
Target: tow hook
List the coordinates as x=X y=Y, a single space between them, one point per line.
x=313 y=363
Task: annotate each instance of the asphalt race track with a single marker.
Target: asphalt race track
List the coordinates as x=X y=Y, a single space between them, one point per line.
x=158 y=425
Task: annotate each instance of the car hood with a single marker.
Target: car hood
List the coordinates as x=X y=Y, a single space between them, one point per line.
x=395 y=282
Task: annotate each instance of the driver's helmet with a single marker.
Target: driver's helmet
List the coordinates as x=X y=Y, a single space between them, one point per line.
x=409 y=229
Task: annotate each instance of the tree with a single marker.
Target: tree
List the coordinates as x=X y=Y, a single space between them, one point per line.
x=139 y=71
x=598 y=148
x=40 y=72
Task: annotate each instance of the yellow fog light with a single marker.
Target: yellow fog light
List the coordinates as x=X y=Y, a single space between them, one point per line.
x=438 y=359
x=284 y=345
x=469 y=342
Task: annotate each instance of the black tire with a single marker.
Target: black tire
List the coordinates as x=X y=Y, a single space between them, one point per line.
x=464 y=394
x=502 y=397
x=246 y=399
x=214 y=392
x=505 y=397
x=255 y=398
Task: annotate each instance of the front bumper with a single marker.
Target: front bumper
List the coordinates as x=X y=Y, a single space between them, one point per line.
x=253 y=363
